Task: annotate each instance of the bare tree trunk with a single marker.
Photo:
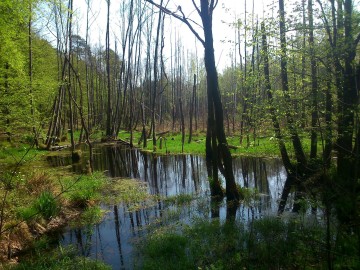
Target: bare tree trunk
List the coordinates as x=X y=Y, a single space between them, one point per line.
x=154 y=88
x=108 y=109
x=192 y=105
x=71 y=120
x=182 y=125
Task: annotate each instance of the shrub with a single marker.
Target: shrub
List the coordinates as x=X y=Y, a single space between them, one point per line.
x=46 y=205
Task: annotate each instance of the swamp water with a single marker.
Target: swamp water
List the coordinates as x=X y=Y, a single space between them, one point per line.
x=114 y=239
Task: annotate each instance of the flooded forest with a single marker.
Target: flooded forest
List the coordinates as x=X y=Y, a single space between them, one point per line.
x=166 y=134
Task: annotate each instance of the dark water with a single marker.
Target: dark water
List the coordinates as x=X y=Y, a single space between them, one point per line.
x=113 y=240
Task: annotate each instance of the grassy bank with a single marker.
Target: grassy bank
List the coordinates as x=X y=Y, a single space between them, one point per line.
x=171 y=143
x=268 y=243
x=37 y=199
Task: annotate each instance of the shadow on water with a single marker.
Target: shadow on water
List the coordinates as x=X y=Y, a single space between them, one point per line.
x=113 y=240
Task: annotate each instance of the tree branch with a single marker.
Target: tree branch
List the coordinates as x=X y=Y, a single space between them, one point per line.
x=357 y=39
x=213 y=4
x=196 y=7
x=327 y=27
x=183 y=19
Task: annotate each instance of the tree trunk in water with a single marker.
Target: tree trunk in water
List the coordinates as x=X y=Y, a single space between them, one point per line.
x=218 y=142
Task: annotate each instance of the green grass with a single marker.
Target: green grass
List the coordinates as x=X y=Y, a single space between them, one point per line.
x=57 y=259
x=11 y=154
x=268 y=243
x=84 y=189
x=261 y=147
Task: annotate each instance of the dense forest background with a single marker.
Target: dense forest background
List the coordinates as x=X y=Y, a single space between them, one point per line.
x=294 y=76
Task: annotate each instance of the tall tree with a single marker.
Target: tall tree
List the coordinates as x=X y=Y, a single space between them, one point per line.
x=108 y=108
x=314 y=83
x=299 y=152
x=217 y=150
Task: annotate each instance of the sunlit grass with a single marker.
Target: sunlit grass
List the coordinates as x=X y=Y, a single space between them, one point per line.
x=265 y=146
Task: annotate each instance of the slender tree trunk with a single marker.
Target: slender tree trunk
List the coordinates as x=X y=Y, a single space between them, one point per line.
x=69 y=84
x=32 y=106
x=284 y=154
x=299 y=152
x=314 y=83
x=192 y=105
x=154 y=89
x=108 y=109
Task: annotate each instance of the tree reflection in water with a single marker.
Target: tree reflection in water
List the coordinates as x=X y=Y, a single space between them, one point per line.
x=113 y=240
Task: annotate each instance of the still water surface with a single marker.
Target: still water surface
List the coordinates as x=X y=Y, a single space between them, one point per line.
x=113 y=240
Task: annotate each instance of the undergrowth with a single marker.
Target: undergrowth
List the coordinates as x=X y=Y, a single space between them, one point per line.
x=59 y=258
x=267 y=243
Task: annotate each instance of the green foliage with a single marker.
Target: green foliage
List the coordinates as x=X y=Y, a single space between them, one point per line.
x=249 y=195
x=58 y=259
x=16 y=92
x=129 y=191
x=167 y=251
x=91 y=215
x=46 y=205
x=267 y=243
x=180 y=199
x=26 y=213
x=83 y=190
